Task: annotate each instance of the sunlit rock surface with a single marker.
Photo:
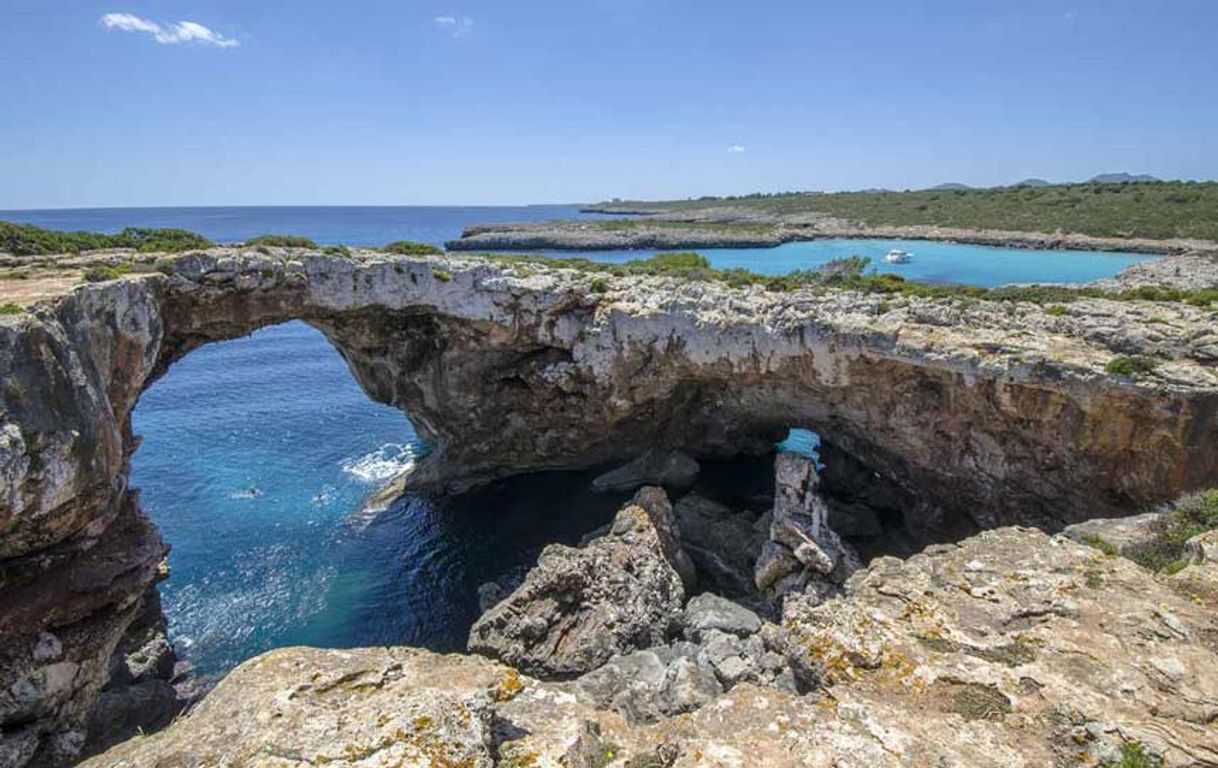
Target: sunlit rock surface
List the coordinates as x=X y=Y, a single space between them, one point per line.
x=1012 y=650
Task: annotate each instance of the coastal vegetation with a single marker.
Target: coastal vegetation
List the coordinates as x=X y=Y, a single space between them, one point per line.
x=282 y=241
x=411 y=248
x=1187 y=517
x=28 y=240
x=1162 y=209
x=10 y=309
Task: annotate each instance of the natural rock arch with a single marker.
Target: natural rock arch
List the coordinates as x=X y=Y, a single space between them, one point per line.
x=506 y=370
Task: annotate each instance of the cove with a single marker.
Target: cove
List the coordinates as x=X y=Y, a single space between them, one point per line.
x=933 y=261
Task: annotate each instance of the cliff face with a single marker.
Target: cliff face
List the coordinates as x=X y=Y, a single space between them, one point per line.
x=998 y=413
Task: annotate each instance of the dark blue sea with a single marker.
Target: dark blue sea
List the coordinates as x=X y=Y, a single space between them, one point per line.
x=257 y=453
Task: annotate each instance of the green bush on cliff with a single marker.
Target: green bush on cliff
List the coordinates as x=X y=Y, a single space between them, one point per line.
x=1131 y=365
x=28 y=240
x=1185 y=518
x=411 y=248
x=10 y=309
x=103 y=272
x=281 y=241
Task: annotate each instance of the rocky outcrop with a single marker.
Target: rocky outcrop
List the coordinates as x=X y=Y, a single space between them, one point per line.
x=803 y=554
x=1013 y=649
x=998 y=412
x=581 y=606
x=673 y=470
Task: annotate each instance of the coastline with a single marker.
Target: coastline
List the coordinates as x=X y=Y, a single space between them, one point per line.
x=659 y=231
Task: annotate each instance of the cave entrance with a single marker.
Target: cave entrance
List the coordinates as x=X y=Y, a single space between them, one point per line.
x=875 y=514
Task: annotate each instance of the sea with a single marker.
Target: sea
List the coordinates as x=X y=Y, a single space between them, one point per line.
x=258 y=452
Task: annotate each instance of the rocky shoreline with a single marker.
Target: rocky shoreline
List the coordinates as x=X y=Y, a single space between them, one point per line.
x=947 y=416
x=734 y=229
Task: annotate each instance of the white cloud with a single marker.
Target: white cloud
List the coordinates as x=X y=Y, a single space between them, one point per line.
x=735 y=149
x=168 y=34
x=457 y=25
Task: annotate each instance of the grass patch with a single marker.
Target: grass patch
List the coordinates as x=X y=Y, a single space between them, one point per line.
x=1099 y=542
x=28 y=240
x=411 y=248
x=599 y=286
x=1057 y=310
x=1131 y=365
x=336 y=250
x=104 y=272
x=1147 y=209
x=1134 y=755
x=442 y=276
x=1185 y=518
x=11 y=309
x=281 y=241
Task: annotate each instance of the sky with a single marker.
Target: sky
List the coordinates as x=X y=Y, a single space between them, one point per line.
x=414 y=102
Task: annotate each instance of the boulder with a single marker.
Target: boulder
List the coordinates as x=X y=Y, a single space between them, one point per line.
x=723 y=543
x=712 y=612
x=673 y=470
x=580 y=606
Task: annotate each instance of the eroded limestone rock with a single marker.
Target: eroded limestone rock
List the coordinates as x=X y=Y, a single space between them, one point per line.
x=999 y=411
x=803 y=552
x=1013 y=649
x=581 y=606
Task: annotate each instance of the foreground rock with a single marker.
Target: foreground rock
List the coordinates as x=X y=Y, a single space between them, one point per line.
x=1011 y=650
x=581 y=606
x=1001 y=412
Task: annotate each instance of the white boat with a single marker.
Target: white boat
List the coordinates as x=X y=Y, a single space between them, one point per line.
x=897 y=256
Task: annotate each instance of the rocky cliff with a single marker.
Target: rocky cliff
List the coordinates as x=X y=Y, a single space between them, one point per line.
x=994 y=412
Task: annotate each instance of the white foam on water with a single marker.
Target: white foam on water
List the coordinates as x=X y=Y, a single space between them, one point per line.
x=383 y=464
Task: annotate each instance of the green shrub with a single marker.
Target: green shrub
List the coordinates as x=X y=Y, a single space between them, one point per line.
x=1134 y=755
x=1057 y=310
x=151 y=240
x=11 y=309
x=599 y=285
x=336 y=250
x=441 y=275
x=410 y=248
x=103 y=272
x=281 y=241
x=1185 y=518
x=27 y=240
x=1131 y=365
x=1108 y=548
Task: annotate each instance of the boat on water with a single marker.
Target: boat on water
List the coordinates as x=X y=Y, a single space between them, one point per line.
x=897 y=256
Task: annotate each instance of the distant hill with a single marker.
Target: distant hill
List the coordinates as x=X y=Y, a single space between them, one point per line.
x=1120 y=178
x=1033 y=182
x=951 y=185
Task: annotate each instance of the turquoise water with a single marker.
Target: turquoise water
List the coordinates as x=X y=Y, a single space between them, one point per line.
x=257 y=453
x=932 y=261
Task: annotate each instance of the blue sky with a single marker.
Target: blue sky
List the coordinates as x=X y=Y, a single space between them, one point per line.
x=474 y=101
